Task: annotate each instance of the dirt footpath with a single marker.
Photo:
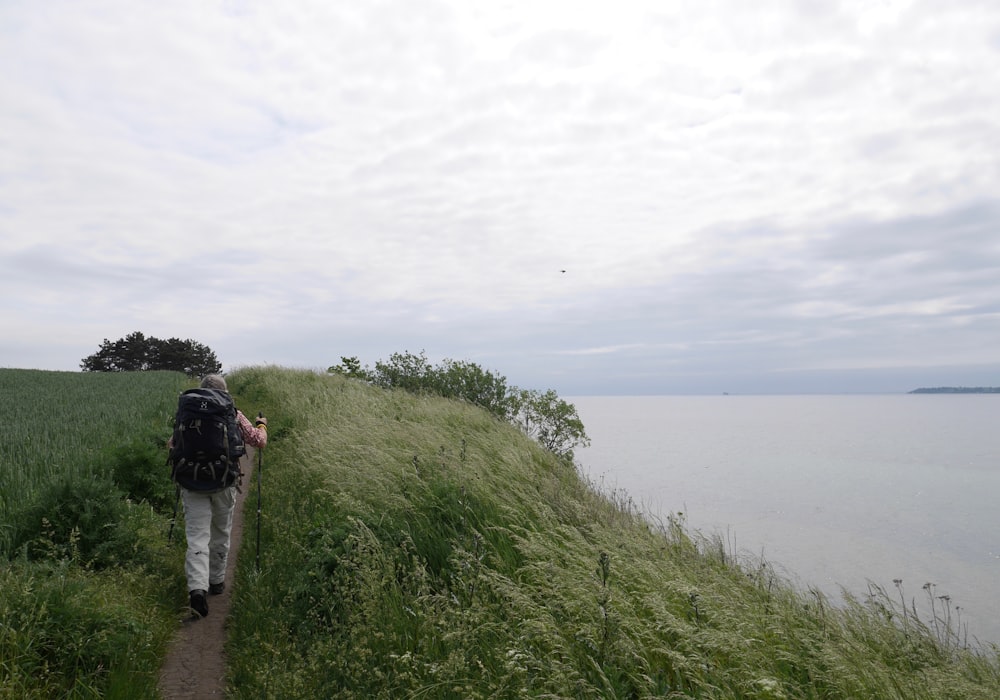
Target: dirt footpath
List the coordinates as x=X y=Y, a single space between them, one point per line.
x=196 y=663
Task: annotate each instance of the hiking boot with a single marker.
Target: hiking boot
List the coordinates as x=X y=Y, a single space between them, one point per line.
x=216 y=588
x=198 y=603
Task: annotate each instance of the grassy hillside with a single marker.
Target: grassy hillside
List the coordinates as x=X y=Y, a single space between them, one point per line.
x=412 y=547
x=415 y=547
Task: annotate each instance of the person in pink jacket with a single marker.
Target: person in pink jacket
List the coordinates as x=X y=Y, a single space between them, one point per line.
x=208 y=516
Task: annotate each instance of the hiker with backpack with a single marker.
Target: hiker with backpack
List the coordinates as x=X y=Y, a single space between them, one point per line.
x=210 y=436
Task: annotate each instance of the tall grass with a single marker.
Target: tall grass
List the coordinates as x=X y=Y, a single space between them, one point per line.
x=413 y=547
x=56 y=424
x=418 y=548
x=88 y=582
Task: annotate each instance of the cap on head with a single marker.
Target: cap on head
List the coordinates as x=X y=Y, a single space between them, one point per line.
x=214 y=381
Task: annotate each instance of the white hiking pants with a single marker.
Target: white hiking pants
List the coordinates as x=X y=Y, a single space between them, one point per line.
x=208 y=520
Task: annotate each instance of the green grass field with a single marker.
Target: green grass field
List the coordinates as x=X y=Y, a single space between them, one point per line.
x=58 y=424
x=414 y=547
x=83 y=554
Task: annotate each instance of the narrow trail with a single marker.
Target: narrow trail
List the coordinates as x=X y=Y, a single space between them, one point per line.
x=195 y=666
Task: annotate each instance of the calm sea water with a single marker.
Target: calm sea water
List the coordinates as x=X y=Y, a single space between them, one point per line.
x=834 y=491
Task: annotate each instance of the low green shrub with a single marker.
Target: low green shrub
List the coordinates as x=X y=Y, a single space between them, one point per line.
x=139 y=469
x=82 y=518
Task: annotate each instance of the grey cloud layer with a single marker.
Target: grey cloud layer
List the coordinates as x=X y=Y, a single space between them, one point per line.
x=751 y=189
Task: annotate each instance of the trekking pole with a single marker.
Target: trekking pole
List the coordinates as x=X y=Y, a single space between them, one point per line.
x=170 y=533
x=260 y=468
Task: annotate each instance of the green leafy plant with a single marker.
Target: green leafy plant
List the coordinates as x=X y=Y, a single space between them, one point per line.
x=82 y=519
x=548 y=419
x=139 y=470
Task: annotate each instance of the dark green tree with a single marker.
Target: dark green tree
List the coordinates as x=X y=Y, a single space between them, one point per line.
x=188 y=356
x=472 y=383
x=404 y=370
x=548 y=419
x=137 y=353
x=351 y=367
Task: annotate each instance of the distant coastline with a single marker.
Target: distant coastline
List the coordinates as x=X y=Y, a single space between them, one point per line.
x=958 y=390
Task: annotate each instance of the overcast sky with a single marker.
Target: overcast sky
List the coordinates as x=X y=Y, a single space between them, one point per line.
x=627 y=196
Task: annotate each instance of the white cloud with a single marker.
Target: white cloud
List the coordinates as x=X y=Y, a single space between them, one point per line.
x=728 y=187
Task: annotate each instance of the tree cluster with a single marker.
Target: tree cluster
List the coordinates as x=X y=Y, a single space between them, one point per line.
x=958 y=390
x=138 y=353
x=541 y=415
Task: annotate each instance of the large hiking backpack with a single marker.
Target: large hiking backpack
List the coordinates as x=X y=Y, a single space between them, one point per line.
x=207 y=442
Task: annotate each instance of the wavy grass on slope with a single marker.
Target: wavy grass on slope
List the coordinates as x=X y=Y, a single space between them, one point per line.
x=418 y=547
